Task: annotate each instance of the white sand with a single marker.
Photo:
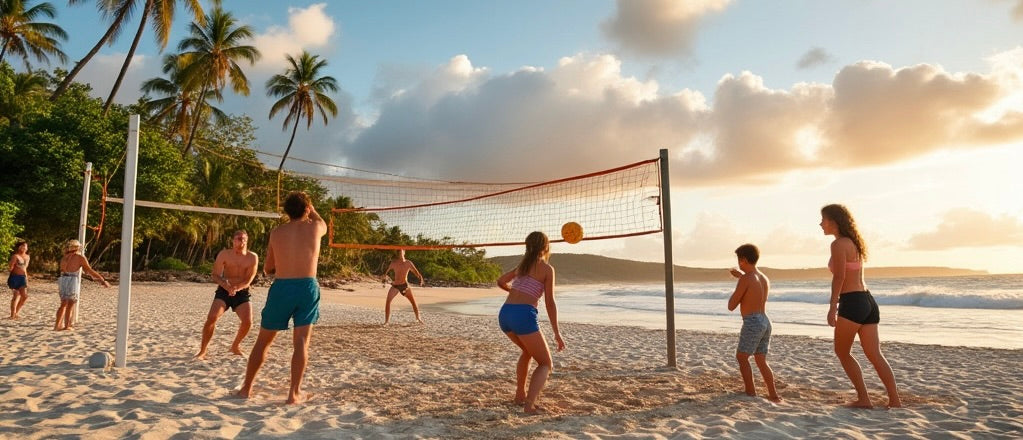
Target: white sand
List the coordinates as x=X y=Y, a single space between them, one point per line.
x=453 y=378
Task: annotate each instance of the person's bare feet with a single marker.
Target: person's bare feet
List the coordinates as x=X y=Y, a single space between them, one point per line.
x=419 y=319
x=243 y=393
x=201 y=356
x=237 y=351
x=535 y=410
x=894 y=403
x=520 y=399
x=859 y=404
x=774 y=398
x=69 y=328
x=301 y=397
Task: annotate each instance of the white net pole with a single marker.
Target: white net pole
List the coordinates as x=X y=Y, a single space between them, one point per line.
x=82 y=219
x=127 y=243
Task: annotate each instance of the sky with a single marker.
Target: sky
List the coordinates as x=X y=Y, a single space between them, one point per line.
x=910 y=113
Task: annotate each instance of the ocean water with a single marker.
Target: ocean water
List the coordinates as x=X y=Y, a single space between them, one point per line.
x=973 y=311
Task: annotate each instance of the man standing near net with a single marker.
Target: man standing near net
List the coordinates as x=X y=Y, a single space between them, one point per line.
x=233 y=272
x=401 y=267
x=295 y=295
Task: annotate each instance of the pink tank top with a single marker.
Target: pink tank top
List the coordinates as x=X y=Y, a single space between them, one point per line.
x=528 y=285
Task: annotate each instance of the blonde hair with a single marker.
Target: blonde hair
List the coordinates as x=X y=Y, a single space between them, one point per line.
x=72 y=244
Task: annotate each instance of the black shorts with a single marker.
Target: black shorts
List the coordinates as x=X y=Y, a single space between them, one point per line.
x=401 y=288
x=859 y=307
x=240 y=297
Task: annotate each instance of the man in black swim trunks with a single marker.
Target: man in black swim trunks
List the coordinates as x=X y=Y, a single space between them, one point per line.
x=233 y=271
x=401 y=267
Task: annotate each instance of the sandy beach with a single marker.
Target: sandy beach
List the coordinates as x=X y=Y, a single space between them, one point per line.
x=453 y=378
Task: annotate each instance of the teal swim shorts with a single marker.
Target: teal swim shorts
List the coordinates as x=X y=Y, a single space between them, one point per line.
x=291 y=298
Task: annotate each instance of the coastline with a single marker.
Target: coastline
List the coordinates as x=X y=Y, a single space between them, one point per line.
x=452 y=377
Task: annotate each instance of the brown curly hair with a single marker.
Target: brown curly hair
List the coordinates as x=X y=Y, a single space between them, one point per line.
x=846 y=226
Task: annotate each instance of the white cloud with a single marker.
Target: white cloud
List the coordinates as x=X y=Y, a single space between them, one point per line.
x=783 y=240
x=465 y=122
x=308 y=29
x=964 y=227
x=462 y=122
x=713 y=238
x=102 y=70
x=659 y=27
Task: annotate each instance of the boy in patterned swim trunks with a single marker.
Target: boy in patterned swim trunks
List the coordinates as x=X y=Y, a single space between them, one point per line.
x=755 y=337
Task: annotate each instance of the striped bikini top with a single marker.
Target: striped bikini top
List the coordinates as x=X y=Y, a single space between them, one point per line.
x=528 y=285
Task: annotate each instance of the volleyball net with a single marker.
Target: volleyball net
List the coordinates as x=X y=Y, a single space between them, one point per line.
x=435 y=214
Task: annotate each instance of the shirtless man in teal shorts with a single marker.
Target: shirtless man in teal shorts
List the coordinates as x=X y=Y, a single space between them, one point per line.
x=295 y=295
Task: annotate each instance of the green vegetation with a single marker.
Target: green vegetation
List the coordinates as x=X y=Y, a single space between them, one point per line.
x=50 y=126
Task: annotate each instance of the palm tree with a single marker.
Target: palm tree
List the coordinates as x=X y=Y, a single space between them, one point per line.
x=214 y=50
x=27 y=85
x=175 y=105
x=217 y=185
x=118 y=11
x=22 y=35
x=163 y=17
x=302 y=91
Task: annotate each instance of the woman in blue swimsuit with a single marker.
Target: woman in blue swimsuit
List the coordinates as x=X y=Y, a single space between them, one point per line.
x=18 y=278
x=526 y=284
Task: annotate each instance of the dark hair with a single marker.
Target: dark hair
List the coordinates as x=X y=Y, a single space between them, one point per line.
x=846 y=226
x=536 y=244
x=18 y=244
x=748 y=252
x=296 y=204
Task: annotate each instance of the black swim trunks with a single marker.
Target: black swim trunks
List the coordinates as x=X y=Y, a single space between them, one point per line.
x=859 y=307
x=240 y=297
x=401 y=288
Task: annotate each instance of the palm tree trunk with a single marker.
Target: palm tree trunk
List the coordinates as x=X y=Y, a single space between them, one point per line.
x=283 y=158
x=199 y=107
x=85 y=60
x=287 y=150
x=3 y=52
x=131 y=54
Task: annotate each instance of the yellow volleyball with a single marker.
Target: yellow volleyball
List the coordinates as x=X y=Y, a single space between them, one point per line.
x=572 y=232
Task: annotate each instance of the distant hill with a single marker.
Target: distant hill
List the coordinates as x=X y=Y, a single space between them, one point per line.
x=594 y=269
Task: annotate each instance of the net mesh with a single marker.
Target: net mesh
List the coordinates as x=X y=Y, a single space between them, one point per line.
x=619 y=202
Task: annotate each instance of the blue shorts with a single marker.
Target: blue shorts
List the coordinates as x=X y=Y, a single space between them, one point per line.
x=291 y=298
x=16 y=281
x=518 y=318
x=755 y=336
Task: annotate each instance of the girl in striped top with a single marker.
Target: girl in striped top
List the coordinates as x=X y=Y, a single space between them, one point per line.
x=526 y=284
